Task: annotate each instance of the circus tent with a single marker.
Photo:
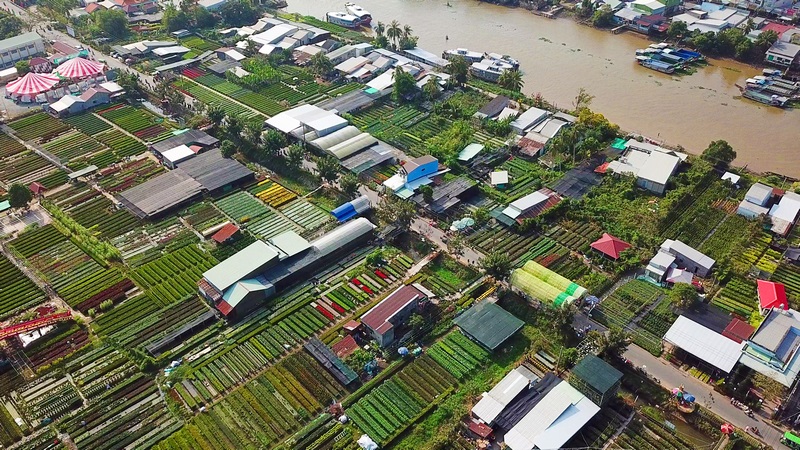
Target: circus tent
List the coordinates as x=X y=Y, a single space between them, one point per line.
x=32 y=84
x=79 y=68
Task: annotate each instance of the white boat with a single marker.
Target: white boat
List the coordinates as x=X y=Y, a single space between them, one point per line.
x=503 y=58
x=343 y=19
x=490 y=70
x=470 y=56
x=363 y=15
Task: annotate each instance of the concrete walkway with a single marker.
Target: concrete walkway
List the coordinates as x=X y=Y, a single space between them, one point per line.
x=671 y=377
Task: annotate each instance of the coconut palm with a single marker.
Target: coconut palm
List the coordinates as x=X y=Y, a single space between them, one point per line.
x=320 y=65
x=379 y=28
x=407 y=31
x=215 y=114
x=253 y=132
x=511 y=80
x=394 y=32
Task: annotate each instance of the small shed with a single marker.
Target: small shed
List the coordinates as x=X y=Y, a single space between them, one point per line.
x=37 y=188
x=469 y=152
x=176 y=155
x=225 y=234
x=499 y=179
x=738 y=331
x=345 y=347
x=488 y=324
x=596 y=379
x=610 y=246
x=732 y=177
x=86 y=171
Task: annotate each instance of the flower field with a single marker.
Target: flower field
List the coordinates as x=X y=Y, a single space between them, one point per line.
x=457 y=354
x=574 y=235
x=619 y=308
x=262 y=411
x=738 y=296
x=198 y=43
x=100 y=216
x=38 y=126
x=122 y=144
x=73 y=195
x=67 y=338
x=303 y=213
x=47 y=398
x=520 y=248
x=271 y=224
x=26 y=167
x=731 y=234
x=174 y=276
x=210 y=97
x=645 y=433
x=695 y=223
x=744 y=260
x=9 y=146
x=272 y=193
x=78 y=279
x=256 y=101
x=241 y=207
x=135 y=120
x=790 y=276
x=18 y=292
x=72 y=144
x=88 y=123
x=125 y=176
x=203 y=216
x=390 y=408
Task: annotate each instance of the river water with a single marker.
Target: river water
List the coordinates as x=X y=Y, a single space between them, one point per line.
x=559 y=56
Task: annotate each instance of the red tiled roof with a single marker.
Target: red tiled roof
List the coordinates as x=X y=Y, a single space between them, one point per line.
x=610 y=245
x=195 y=148
x=481 y=429
x=225 y=233
x=345 y=347
x=602 y=168
x=772 y=295
x=738 y=331
x=552 y=200
x=224 y=308
x=92 y=7
x=776 y=27
x=352 y=325
x=37 y=188
x=377 y=317
x=529 y=147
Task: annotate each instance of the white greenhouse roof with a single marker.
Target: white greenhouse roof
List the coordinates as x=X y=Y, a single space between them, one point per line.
x=788 y=207
x=524 y=204
x=337 y=137
x=704 y=343
x=553 y=421
x=470 y=151
x=500 y=177
x=178 y=154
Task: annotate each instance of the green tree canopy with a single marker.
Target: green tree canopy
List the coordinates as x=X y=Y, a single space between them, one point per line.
x=174 y=19
x=404 y=85
x=22 y=67
x=228 y=149
x=719 y=153
x=19 y=196
x=682 y=295
x=458 y=68
x=393 y=210
x=112 y=22
x=511 y=80
x=677 y=30
x=349 y=184
x=274 y=140
x=237 y=13
x=603 y=17
x=320 y=65
x=10 y=25
x=497 y=264
x=328 y=168
x=295 y=155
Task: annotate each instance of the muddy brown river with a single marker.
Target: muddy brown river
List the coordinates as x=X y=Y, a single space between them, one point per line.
x=559 y=56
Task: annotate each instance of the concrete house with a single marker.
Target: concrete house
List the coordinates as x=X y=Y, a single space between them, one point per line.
x=383 y=320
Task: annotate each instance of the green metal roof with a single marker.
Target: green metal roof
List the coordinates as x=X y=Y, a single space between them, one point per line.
x=488 y=323
x=18 y=40
x=597 y=373
x=240 y=290
x=243 y=264
x=5 y=205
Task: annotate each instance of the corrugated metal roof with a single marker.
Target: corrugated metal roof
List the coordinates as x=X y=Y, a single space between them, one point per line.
x=377 y=317
x=553 y=421
x=290 y=243
x=600 y=375
x=241 y=265
x=488 y=324
x=19 y=40
x=704 y=343
x=690 y=253
x=775 y=328
x=496 y=400
x=213 y=171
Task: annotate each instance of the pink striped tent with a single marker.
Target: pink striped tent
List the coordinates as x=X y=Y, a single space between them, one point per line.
x=79 y=68
x=32 y=84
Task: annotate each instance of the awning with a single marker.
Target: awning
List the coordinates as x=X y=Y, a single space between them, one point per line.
x=79 y=68
x=32 y=83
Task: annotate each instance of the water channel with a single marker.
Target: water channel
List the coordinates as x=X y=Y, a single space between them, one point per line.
x=560 y=56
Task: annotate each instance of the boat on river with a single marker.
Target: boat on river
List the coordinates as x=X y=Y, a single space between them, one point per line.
x=658 y=66
x=470 y=56
x=767 y=99
x=363 y=15
x=343 y=19
x=490 y=70
x=503 y=58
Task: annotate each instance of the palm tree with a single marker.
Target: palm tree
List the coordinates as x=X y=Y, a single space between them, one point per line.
x=320 y=65
x=379 y=28
x=253 y=132
x=394 y=32
x=215 y=114
x=233 y=127
x=511 y=80
x=407 y=31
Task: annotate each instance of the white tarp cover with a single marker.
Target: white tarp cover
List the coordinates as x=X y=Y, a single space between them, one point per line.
x=704 y=343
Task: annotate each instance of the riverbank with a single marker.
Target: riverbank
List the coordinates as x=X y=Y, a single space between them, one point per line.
x=560 y=56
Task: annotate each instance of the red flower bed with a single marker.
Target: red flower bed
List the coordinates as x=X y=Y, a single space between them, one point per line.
x=112 y=108
x=381 y=274
x=113 y=293
x=325 y=312
x=549 y=259
x=193 y=73
x=367 y=290
x=149 y=132
x=357 y=282
x=338 y=308
x=59 y=349
x=109 y=171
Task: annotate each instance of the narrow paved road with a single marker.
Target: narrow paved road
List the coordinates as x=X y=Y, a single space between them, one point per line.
x=672 y=377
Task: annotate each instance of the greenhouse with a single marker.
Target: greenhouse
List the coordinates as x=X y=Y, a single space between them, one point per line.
x=543 y=284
